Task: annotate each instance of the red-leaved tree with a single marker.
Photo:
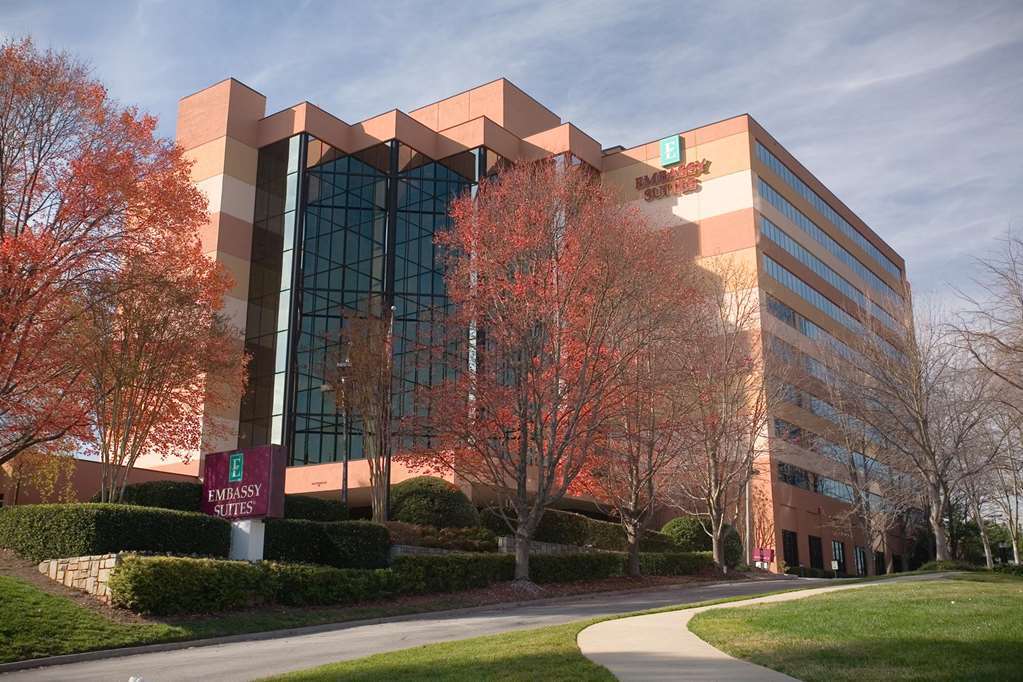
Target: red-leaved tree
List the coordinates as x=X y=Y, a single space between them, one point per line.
x=551 y=282
x=83 y=181
x=158 y=358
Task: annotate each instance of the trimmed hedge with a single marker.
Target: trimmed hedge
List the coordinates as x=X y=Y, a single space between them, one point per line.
x=459 y=539
x=563 y=568
x=431 y=501
x=678 y=563
x=809 y=572
x=174 y=585
x=341 y=544
x=187 y=496
x=949 y=565
x=180 y=495
x=569 y=528
x=48 y=531
x=452 y=572
x=1010 y=569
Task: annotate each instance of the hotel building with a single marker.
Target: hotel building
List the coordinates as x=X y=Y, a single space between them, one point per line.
x=312 y=214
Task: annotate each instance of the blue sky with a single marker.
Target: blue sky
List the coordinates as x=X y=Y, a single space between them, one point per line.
x=911 y=112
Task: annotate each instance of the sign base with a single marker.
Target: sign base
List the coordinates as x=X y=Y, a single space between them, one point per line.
x=247 y=540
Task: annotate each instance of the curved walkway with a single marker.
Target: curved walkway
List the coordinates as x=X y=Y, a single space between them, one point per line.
x=661 y=647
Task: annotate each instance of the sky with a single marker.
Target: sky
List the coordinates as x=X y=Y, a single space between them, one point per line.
x=910 y=112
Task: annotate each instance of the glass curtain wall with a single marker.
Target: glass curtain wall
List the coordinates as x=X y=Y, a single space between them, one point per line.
x=365 y=227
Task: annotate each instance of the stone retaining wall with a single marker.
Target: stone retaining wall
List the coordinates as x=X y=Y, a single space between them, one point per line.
x=506 y=545
x=415 y=550
x=87 y=573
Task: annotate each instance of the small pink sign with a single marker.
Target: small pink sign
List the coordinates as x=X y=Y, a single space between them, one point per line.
x=245 y=484
x=763 y=554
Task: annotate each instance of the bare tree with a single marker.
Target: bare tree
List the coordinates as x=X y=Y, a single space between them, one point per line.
x=920 y=393
x=726 y=432
x=359 y=370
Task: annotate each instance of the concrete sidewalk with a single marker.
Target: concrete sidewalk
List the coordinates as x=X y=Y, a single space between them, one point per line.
x=661 y=647
x=284 y=652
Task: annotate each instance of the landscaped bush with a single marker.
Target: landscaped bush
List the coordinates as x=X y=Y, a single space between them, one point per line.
x=809 y=572
x=1010 y=569
x=452 y=572
x=949 y=565
x=180 y=495
x=342 y=544
x=678 y=563
x=167 y=585
x=430 y=501
x=565 y=528
x=306 y=585
x=48 y=531
x=563 y=568
x=187 y=496
x=314 y=508
x=458 y=539
x=688 y=534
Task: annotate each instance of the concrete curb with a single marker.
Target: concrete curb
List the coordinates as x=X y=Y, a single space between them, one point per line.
x=661 y=646
x=101 y=654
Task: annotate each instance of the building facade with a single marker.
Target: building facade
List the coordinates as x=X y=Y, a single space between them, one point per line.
x=314 y=216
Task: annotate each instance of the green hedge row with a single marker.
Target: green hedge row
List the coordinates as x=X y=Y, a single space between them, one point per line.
x=809 y=572
x=187 y=496
x=1010 y=569
x=458 y=539
x=676 y=563
x=569 y=528
x=47 y=531
x=949 y=565
x=341 y=544
x=169 y=585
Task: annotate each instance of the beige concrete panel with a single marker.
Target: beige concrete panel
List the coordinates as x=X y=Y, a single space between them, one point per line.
x=278 y=126
x=219 y=434
x=697 y=136
x=480 y=132
x=229 y=195
x=226 y=108
x=716 y=196
x=225 y=155
x=326 y=127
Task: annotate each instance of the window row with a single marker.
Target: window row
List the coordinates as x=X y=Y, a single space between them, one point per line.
x=773 y=197
x=811 y=295
x=800 y=253
x=825 y=209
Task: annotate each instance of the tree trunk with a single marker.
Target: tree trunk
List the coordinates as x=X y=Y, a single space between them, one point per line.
x=632 y=535
x=935 y=513
x=521 y=554
x=1015 y=549
x=718 y=545
x=985 y=540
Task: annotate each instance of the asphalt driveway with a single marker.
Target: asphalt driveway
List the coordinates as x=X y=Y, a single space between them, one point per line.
x=274 y=654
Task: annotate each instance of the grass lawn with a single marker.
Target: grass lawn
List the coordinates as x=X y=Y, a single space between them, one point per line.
x=35 y=624
x=969 y=627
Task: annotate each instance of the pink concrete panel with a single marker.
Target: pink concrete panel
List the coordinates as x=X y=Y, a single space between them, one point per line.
x=454 y=110
x=523 y=115
x=227 y=108
x=228 y=234
x=85 y=480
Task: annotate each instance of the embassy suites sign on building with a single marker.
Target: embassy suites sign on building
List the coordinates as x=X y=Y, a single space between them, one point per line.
x=677 y=180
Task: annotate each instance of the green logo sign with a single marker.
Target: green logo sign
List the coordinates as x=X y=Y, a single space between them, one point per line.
x=234 y=467
x=671 y=150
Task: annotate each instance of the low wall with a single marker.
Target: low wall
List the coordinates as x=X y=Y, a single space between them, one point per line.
x=87 y=573
x=506 y=545
x=415 y=550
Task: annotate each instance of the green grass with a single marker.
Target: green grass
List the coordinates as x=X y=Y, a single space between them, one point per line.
x=36 y=624
x=549 y=653
x=969 y=627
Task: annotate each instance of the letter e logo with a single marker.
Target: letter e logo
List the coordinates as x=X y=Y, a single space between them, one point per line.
x=235 y=465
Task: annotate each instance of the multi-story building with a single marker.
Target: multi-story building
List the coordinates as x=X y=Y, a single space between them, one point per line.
x=312 y=214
